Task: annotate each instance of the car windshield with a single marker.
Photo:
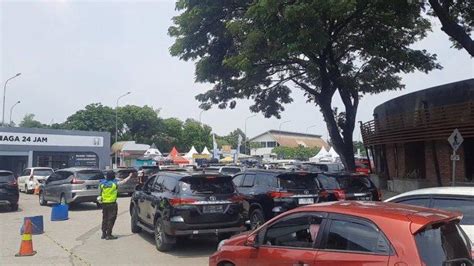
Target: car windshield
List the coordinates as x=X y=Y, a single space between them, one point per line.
x=297 y=181
x=207 y=185
x=345 y=182
x=6 y=177
x=42 y=172
x=90 y=175
x=442 y=244
x=466 y=206
x=151 y=171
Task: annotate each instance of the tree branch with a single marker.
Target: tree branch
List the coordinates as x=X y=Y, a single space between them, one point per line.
x=452 y=28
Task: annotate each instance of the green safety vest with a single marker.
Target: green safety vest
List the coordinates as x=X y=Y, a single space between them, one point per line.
x=109 y=194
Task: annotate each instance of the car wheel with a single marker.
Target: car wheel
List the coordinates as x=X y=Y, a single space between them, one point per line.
x=62 y=200
x=256 y=219
x=134 y=221
x=163 y=241
x=42 y=201
x=14 y=207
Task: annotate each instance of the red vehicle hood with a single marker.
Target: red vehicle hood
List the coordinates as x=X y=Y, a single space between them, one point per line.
x=238 y=239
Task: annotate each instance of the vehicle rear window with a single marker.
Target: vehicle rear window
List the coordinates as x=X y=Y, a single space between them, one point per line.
x=6 y=177
x=297 y=181
x=90 y=175
x=151 y=171
x=345 y=182
x=442 y=244
x=42 y=172
x=207 y=185
x=466 y=206
x=316 y=167
x=230 y=170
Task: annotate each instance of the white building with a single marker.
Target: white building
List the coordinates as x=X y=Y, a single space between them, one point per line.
x=263 y=144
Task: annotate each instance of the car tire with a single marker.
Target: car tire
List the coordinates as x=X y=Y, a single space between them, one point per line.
x=62 y=200
x=14 y=207
x=134 y=221
x=42 y=201
x=256 y=219
x=226 y=264
x=163 y=241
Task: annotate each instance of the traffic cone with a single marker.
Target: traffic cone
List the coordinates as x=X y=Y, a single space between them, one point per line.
x=26 y=246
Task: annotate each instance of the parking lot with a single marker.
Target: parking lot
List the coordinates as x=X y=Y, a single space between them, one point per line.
x=77 y=240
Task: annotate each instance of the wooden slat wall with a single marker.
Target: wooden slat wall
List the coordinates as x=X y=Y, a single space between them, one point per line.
x=421 y=125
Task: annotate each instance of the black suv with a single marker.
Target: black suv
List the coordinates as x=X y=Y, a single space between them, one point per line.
x=271 y=192
x=9 y=194
x=181 y=204
x=343 y=186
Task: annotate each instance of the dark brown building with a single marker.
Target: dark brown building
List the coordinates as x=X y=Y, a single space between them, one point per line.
x=408 y=137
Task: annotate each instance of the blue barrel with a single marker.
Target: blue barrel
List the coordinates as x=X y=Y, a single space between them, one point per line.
x=38 y=224
x=59 y=212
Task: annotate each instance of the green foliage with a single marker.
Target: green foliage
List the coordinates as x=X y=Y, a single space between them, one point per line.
x=297 y=153
x=196 y=135
x=30 y=122
x=231 y=139
x=360 y=145
x=264 y=49
x=94 y=117
x=140 y=123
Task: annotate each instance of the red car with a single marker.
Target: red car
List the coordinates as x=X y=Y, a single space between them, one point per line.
x=351 y=233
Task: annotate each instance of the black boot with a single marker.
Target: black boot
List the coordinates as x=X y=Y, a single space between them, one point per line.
x=111 y=237
x=104 y=236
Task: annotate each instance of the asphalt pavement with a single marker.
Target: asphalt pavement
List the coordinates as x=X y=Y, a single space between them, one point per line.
x=77 y=241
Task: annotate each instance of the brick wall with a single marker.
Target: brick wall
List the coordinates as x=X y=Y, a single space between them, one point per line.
x=396 y=162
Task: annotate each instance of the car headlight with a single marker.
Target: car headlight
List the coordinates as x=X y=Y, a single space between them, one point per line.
x=220 y=245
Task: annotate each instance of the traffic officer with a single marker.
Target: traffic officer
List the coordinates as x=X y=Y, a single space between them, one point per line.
x=108 y=197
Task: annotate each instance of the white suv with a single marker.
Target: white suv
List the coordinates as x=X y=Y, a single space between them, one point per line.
x=32 y=177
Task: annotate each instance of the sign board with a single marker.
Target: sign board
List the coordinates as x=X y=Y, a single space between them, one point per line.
x=32 y=139
x=455 y=139
x=455 y=157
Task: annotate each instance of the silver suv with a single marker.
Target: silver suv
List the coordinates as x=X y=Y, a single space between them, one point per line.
x=71 y=185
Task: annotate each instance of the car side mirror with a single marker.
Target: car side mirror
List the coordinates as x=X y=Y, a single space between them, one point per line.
x=252 y=241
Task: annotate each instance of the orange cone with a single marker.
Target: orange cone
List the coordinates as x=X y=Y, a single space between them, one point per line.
x=26 y=247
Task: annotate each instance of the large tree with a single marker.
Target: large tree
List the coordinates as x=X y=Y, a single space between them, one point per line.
x=29 y=121
x=140 y=123
x=457 y=20
x=265 y=49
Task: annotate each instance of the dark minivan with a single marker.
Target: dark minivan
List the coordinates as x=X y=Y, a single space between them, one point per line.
x=343 y=186
x=9 y=194
x=181 y=204
x=271 y=192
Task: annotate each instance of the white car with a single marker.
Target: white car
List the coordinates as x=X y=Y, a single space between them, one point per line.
x=32 y=177
x=445 y=198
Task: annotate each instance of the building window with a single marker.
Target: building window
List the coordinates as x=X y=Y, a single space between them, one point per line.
x=271 y=144
x=263 y=144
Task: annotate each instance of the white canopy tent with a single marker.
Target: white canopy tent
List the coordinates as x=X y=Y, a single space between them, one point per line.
x=152 y=152
x=190 y=153
x=205 y=151
x=321 y=154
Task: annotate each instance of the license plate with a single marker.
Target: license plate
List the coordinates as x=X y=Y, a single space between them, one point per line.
x=92 y=187
x=305 y=201
x=212 y=209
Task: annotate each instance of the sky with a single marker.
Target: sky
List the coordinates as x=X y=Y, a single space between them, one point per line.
x=73 y=53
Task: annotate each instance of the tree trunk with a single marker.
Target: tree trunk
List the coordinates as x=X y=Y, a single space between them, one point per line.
x=342 y=144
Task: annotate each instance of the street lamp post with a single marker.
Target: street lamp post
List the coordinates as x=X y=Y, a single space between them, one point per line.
x=309 y=128
x=200 y=115
x=245 y=132
x=11 y=111
x=116 y=123
x=4 y=95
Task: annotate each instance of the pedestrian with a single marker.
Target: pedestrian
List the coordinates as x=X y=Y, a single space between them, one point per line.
x=108 y=197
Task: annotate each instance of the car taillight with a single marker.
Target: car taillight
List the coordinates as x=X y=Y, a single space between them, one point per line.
x=237 y=198
x=340 y=194
x=279 y=194
x=181 y=201
x=77 y=181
